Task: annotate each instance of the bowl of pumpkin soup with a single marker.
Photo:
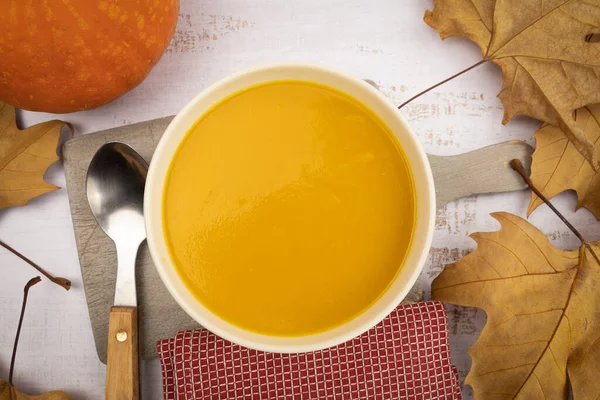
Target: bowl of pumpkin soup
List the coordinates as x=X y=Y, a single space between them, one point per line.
x=289 y=208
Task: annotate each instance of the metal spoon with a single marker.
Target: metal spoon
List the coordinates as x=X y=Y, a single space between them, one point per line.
x=115 y=191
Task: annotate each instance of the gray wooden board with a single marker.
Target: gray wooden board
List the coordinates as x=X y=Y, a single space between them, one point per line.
x=481 y=171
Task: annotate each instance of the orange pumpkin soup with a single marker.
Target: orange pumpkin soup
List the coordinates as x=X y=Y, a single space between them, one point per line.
x=288 y=208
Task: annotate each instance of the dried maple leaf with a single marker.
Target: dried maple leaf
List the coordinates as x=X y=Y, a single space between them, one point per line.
x=543 y=313
x=24 y=157
x=557 y=166
x=548 y=67
x=9 y=392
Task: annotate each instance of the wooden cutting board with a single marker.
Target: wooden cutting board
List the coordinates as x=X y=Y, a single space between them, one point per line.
x=481 y=171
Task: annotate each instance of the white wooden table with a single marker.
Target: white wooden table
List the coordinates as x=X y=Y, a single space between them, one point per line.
x=385 y=40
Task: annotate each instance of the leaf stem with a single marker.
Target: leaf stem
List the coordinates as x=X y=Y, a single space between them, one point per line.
x=517 y=166
x=65 y=283
x=441 y=83
x=28 y=285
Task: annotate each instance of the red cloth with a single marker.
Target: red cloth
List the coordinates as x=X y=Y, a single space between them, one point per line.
x=406 y=356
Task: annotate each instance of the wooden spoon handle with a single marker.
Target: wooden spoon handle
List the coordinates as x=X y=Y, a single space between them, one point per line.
x=122 y=364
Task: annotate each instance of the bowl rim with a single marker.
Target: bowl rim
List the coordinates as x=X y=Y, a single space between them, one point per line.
x=156 y=241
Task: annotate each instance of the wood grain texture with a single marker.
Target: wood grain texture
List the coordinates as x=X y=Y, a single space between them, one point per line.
x=122 y=368
x=481 y=171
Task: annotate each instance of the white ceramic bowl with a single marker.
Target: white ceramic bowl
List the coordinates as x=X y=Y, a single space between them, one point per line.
x=417 y=253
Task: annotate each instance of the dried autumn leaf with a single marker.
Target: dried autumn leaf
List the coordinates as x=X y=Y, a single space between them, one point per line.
x=543 y=309
x=9 y=392
x=548 y=67
x=557 y=166
x=24 y=157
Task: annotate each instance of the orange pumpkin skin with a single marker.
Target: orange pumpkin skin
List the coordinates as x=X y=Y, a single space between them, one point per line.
x=69 y=55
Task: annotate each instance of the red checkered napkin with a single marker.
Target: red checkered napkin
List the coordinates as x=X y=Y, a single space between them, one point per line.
x=406 y=356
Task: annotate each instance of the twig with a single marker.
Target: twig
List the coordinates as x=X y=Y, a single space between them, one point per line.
x=65 y=283
x=517 y=166
x=29 y=284
x=441 y=83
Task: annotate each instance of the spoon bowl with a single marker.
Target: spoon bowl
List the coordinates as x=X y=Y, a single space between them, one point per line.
x=115 y=190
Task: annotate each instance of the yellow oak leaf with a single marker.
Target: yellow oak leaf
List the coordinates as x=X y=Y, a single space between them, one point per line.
x=549 y=69
x=543 y=313
x=9 y=392
x=24 y=157
x=557 y=166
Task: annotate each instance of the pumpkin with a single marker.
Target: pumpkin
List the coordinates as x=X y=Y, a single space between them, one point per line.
x=71 y=55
